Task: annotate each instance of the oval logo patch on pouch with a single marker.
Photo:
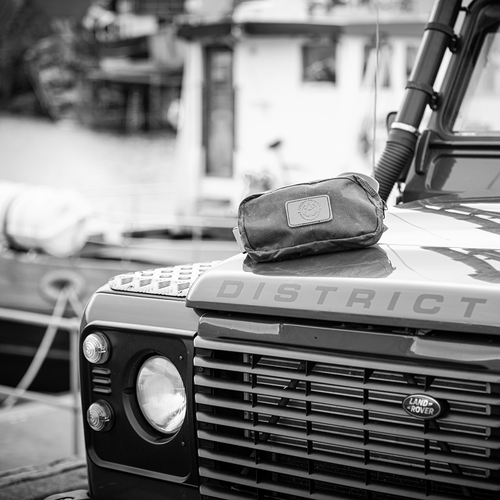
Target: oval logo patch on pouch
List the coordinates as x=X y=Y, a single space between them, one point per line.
x=306 y=211
x=423 y=406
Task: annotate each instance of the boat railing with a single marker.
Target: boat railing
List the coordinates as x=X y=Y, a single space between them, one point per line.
x=53 y=323
x=152 y=206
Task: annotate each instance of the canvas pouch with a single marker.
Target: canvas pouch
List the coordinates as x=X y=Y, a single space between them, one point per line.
x=311 y=218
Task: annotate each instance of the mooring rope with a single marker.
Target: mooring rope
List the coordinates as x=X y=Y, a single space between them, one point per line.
x=67 y=295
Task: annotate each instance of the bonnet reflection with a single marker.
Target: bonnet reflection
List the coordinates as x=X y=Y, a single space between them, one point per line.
x=370 y=262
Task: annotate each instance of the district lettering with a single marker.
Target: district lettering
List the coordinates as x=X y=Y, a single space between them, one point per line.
x=357 y=299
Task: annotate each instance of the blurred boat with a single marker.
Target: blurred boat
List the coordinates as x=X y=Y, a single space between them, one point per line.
x=49 y=245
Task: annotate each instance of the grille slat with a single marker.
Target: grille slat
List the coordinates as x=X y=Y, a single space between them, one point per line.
x=290 y=492
x=249 y=463
x=400 y=453
x=401 y=389
x=352 y=361
x=224 y=494
x=283 y=423
x=297 y=491
x=337 y=401
x=348 y=423
x=402 y=450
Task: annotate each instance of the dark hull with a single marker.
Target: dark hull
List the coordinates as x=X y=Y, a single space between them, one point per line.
x=29 y=284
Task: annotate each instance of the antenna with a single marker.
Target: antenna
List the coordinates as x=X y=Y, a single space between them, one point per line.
x=375 y=96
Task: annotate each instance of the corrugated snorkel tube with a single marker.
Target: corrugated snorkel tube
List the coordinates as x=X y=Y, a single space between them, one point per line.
x=403 y=135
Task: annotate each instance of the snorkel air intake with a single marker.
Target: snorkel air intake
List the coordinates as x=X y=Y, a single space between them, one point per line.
x=403 y=134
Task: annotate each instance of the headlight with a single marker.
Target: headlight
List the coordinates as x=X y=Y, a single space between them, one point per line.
x=161 y=394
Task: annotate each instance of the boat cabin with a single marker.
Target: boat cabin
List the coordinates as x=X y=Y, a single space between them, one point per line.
x=280 y=92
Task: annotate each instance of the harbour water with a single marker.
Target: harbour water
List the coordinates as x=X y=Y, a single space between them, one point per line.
x=122 y=174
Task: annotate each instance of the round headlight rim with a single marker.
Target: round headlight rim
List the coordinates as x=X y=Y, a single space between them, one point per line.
x=153 y=430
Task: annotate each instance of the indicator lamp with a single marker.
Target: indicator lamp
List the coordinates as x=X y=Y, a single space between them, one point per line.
x=161 y=394
x=96 y=348
x=100 y=416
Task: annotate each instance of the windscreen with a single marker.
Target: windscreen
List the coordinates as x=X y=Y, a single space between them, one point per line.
x=479 y=112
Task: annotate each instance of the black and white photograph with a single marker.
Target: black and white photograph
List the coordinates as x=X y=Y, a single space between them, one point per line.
x=249 y=249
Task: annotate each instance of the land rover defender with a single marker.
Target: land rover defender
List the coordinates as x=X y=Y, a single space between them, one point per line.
x=365 y=374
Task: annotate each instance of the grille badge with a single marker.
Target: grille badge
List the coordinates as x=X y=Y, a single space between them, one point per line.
x=423 y=406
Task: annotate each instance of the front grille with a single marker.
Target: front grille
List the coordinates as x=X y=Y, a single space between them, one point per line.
x=288 y=424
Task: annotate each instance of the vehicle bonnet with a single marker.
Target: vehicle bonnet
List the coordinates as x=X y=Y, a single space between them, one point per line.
x=438 y=263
